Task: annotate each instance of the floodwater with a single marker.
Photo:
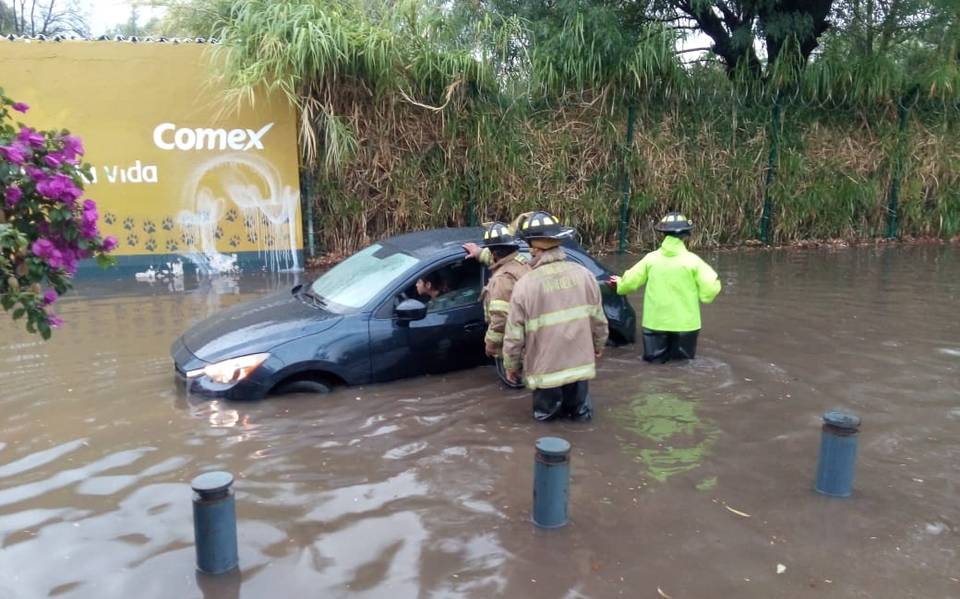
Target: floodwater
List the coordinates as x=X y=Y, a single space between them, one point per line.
x=692 y=481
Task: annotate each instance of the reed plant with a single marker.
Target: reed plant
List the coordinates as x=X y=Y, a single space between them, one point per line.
x=412 y=119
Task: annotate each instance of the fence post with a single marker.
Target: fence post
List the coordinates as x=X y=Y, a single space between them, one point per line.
x=771 y=169
x=307 y=198
x=903 y=109
x=625 y=202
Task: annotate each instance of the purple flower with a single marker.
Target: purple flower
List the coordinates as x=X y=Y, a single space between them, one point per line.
x=72 y=148
x=89 y=204
x=54 y=320
x=35 y=173
x=20 y=107
x=53 y=160
x=12 y=195
x=109 y=243
x=49 y=296
x=30 y=137
x=42 y=247
x=59 y=187
x=15 y=152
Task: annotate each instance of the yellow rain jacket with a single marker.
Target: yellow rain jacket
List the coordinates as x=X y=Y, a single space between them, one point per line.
x=677 y=282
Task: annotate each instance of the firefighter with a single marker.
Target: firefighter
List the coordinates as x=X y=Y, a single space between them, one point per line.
x=556 y=328
x=500 y=253
x=506 y=267
x=677 y=282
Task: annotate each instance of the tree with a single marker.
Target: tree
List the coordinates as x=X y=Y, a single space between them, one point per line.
x=47 y=17
x=133 y=28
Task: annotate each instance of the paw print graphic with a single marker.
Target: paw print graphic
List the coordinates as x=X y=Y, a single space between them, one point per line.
x=149 y=227
x=132 y=239
x=234 y=241
x=109 y=218
x=248 y=222
x=167 y=224
x=150 y=245
x=128 y=223
x=264 y=220
x=187 y=238
x=270 y=241
x=172 y=245
x=231 y=215
x=219 y=232
x=252 y=236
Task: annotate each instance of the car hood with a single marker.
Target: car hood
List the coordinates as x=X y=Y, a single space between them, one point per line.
x=256 y=326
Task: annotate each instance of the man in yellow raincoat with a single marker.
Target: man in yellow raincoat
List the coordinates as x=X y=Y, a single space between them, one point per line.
x=677 y=282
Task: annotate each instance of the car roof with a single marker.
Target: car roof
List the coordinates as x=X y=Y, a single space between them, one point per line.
x=433 y=242
x=436 y=242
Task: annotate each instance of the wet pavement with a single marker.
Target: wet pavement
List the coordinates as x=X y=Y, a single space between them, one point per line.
x=693 y=480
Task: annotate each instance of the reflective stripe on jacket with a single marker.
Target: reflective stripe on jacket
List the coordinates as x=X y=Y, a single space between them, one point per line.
x=556 y=323
x=496 y=298
x=677 y=281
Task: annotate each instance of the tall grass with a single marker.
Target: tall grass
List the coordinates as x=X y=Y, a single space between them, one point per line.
x=413 y=119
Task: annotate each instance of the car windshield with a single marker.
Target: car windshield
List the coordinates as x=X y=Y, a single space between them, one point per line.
x=359 y=278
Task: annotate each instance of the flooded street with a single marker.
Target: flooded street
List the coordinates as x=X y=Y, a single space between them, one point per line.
x=695 y=479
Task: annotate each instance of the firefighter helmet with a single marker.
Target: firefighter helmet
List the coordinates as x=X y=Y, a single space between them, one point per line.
x=543 y=225
x=499 y=235
x=674 y=222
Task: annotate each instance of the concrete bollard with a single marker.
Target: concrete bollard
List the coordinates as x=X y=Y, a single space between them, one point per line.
x=215 y=522
x=551 y=482
x=838 y=453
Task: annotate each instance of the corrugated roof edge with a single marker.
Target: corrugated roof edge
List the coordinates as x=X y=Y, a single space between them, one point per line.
x=107 y=38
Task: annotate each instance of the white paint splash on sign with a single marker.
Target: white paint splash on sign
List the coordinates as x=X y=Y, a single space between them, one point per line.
x=268 y=208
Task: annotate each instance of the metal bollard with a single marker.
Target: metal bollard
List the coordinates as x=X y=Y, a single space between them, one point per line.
x=551 y=482
x=215 y=522
x=838 y=453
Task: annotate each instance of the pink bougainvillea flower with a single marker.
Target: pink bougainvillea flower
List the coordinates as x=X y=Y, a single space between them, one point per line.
x=72 y=148
x=49 y=296
x=53 y=160
x=30 y=137
x=109 y=243
x=20 y=107
x=12 y=195
x=54 y=320
x=15 y=152
x=46 y=250
x=37 y=174
x=59 y=187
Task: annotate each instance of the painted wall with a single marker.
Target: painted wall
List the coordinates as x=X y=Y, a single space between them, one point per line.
x=176 y=173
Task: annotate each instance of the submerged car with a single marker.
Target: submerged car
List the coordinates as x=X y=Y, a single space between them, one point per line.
x=361 y=322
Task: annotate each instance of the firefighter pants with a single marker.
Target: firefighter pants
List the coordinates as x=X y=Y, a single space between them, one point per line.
x=569 y=401
x=661 y=346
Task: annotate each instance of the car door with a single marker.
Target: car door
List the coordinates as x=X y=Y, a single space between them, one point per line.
x=450 y=337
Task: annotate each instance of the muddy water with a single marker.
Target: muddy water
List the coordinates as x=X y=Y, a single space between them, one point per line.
x=694 y=479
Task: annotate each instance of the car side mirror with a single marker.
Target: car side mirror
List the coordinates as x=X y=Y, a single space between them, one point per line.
x=411 y=309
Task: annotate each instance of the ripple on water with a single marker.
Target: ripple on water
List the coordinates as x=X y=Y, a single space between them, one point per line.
x=398 y=453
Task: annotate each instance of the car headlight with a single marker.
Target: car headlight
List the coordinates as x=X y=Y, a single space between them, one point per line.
x=230 y=371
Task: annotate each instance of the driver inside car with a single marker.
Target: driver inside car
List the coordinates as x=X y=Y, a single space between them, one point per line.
x=431 y=286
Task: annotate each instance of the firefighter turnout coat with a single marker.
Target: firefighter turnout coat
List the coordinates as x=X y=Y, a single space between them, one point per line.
x=496 y=298
x=556 y=324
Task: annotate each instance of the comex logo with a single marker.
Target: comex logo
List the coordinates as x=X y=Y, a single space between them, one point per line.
x=167 y=137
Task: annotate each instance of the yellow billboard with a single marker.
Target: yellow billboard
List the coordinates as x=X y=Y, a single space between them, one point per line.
x=174 y=172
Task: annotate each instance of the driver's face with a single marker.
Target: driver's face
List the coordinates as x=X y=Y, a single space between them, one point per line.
x=425 y=288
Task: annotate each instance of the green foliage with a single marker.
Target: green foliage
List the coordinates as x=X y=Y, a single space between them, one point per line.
x=413 y=113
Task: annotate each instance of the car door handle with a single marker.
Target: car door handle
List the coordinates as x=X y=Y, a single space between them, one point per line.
x=472 y=327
